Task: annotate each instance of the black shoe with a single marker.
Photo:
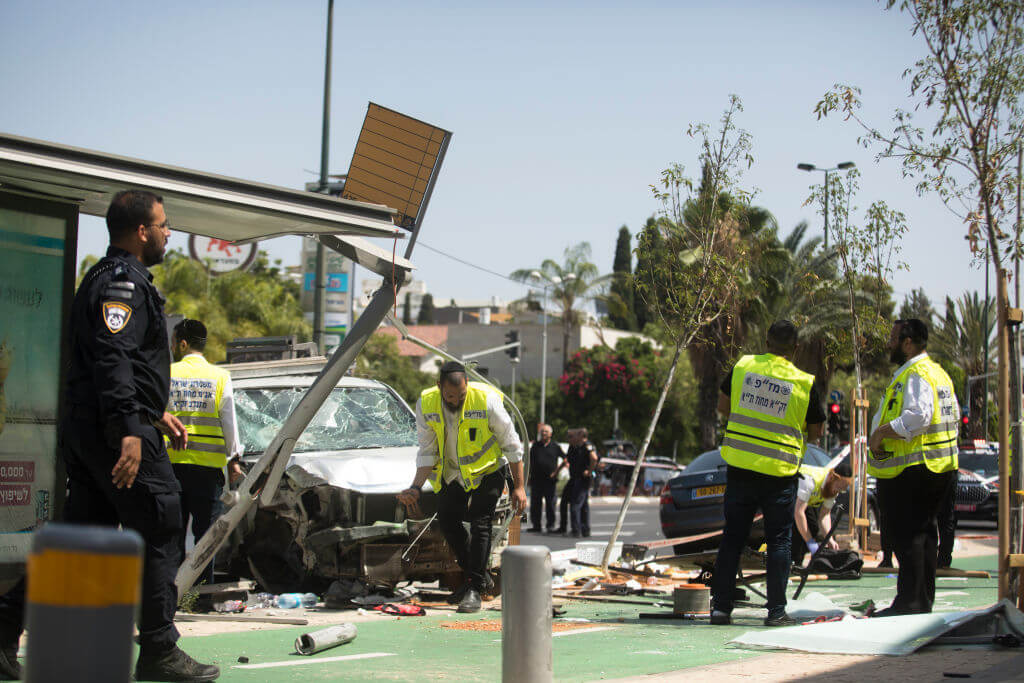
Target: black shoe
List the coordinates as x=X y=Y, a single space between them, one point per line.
x=720 y=618
x=174 y=665
x=10 y=669
x=781 y=619
x=586 y=534
x=551 y=530
x=457 y=594
x=888 y=612
x=575 y=534
x=470 y=602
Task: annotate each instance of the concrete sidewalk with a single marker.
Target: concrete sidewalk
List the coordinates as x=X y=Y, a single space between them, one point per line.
x=615 y=643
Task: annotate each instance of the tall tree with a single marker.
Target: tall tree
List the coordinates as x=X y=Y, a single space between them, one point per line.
x=961 y=337
x=407 y=309
x=917 y=305
x=693 y=279
x=571 y=282
x=644 y=313
x=426 y=316
x=620 y=298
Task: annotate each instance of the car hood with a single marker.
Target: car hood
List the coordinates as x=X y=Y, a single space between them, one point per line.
x=376 y=470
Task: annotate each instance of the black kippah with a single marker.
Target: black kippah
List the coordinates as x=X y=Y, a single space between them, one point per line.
x=452 y=367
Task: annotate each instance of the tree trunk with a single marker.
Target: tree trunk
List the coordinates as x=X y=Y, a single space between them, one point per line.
x=640 y=458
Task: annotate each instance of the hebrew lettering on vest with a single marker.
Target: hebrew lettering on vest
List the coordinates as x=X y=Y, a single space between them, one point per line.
x=766 y=395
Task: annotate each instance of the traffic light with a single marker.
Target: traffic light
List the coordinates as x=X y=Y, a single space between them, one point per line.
x=511 y=337
x=965 y=426
x=835 y=412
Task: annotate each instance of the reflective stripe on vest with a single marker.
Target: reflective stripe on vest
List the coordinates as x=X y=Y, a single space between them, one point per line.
x=768 y=408
x=936 y=445
x=197 y=388
x=818 y=476
x=478 y=451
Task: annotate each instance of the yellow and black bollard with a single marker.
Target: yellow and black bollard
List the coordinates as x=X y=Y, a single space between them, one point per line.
x=82 y=594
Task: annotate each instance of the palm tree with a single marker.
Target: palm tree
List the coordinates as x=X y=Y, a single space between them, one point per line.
x=570 y=283
x=960 y=338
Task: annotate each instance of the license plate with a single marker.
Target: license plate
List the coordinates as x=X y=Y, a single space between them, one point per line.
x=708 y=491
x=966 y=508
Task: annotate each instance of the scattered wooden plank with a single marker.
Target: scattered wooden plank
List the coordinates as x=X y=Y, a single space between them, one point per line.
x=297 y=621
x=205 y=589
x=971 y=573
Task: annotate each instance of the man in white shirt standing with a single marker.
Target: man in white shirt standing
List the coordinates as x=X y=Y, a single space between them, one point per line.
x=468 y=446
x=913 y=457
x=202 y=398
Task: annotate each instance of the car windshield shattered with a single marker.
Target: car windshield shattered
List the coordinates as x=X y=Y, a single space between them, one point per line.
x=358 y=417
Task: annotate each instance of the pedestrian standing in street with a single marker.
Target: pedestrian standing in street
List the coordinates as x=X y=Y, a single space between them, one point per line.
x=117 y=466
x=773 y=410
x=545 y=462
x=582 y=458
x=201 y=397
x=817 y=489
x=468 y=447
x=913 y=458
x=947 y=519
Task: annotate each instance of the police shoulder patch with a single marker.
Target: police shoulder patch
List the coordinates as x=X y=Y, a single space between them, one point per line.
x=116 y=315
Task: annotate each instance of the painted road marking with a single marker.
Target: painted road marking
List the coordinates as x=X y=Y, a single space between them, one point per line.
x=303 y=662
x=612 y=526
x=609 y=533
x=576 y=631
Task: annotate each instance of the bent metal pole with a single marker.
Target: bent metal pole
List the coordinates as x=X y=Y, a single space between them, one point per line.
x=526 y=614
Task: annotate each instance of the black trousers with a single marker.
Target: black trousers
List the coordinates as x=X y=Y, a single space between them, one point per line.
x=947 y=520
x=152 y=507
x=563 y=507
x=201 y=487
x=745 y=493
x=542 y=499
x=909 y=504
x=455 y=506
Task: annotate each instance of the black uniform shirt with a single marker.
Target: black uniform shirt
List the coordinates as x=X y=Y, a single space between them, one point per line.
x=579 y=459
x=544 y=460
x=120 y=360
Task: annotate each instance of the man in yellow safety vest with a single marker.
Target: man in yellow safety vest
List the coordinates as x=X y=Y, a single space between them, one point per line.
x=468 y=446
x=913 y=457
x=816 y=490
x=202 y=399
x=773 y=409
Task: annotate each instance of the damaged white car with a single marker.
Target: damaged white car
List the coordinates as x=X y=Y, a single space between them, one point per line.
x=335 y=515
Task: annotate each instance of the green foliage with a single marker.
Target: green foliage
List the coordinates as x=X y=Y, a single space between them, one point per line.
x=917 y=305
x=620 y=298
x=569 y=282
x=380 y=360
x=970 y=82
x=426 y=316
x=255 y=303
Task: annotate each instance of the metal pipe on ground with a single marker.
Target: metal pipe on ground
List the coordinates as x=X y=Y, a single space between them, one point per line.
x=526 y=615
x=83 y=585
x=324 y=639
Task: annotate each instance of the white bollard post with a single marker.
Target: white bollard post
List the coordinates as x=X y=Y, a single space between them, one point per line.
x=526 y=615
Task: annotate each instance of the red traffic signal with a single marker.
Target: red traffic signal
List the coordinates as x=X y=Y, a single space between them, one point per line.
x=834 y=408
x=965 y=420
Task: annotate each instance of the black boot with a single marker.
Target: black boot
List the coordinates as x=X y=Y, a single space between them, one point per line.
x=457 y=594
x=470 y=602
x=173 y=665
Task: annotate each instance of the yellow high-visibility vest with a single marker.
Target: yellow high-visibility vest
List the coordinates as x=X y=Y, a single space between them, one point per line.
x=768 y=409
x=478 y=449
x=197 y=388
x=818 y=476
x=935 y=447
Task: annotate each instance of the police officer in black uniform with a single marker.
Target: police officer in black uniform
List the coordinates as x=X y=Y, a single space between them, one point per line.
x=111 y=442
x=582 y=458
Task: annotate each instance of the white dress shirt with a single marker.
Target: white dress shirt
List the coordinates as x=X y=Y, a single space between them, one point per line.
x=498 y=421
x=918 y=404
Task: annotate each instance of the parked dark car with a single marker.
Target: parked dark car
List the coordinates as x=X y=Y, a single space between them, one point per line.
x=977 y=497
x=691 y=503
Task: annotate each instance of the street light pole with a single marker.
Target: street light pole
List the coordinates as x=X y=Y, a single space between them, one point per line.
x=544 y=356
x=319 y=298
x=845 y=166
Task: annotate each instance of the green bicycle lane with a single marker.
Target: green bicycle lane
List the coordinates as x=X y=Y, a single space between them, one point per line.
x=618 y=643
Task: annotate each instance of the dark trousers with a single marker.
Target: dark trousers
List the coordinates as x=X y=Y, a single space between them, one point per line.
x=746 y=493
x=947 y=520
x=910 y=503
x=152 y=507
x=201 y=487
x=542 y=495
x=579 y=506
x=455 y=506
x=563 y=507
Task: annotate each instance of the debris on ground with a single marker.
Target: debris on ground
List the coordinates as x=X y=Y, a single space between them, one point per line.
x=324 y=639
x=495 y=625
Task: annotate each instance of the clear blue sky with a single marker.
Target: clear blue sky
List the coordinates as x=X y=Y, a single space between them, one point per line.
x=563 y=113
